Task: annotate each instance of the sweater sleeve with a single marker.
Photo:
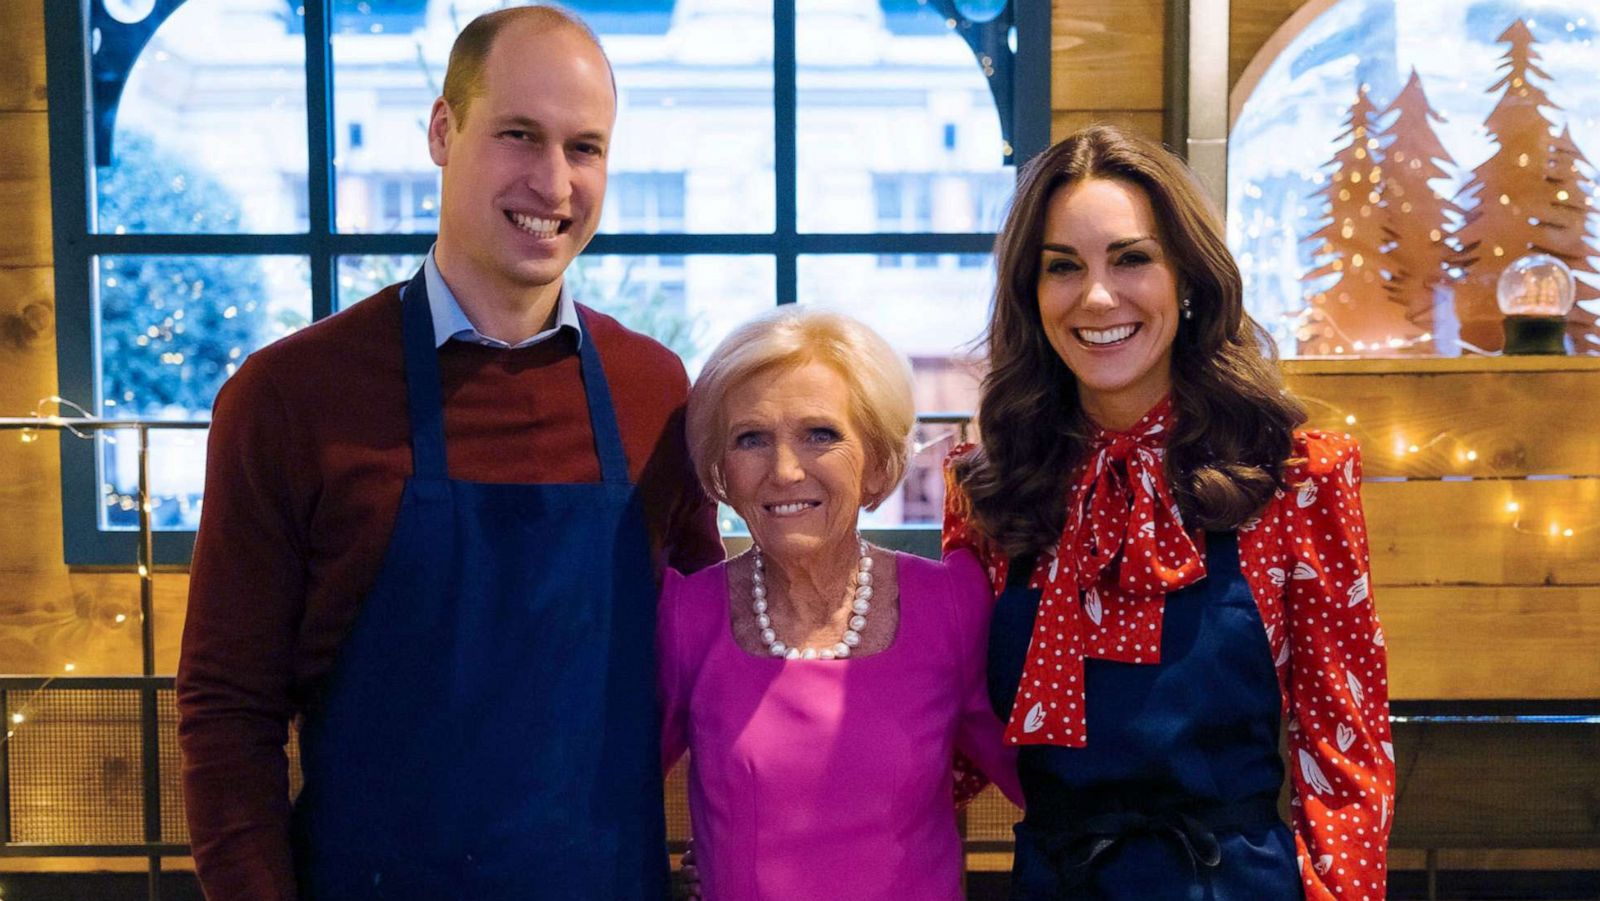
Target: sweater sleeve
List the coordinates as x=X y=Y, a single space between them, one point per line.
x=696 y=542
x=246 y=598
x=670 y=665
x=980 y=736
x=691 y=541
x=1341 y=756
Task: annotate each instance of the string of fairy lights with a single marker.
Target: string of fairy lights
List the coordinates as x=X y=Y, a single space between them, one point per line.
x=1445 y=442
x=58 y=413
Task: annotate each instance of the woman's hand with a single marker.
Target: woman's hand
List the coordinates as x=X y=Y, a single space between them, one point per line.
x=688 y=882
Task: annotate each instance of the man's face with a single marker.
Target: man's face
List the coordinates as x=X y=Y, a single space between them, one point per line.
x=525 y=174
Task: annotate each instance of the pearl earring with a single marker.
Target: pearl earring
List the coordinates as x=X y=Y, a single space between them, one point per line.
x=1188 y=307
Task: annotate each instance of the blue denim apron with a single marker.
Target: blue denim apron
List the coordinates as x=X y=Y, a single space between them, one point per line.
x=1174 y=798
x=490 y=728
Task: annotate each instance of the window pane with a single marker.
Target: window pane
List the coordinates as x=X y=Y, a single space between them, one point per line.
x=172 y=329
x=362 y=277
x=897 y=130
x=693 y=147
x=209 y=132
x=932 y=309
x=1394 y=158
x=688 y=303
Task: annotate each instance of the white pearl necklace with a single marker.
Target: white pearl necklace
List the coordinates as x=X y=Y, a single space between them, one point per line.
x=861 y=602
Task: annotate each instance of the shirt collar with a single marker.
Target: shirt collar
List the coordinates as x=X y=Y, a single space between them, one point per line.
x=450 y=321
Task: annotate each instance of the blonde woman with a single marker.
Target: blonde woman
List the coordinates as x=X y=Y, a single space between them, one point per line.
x=820 y=683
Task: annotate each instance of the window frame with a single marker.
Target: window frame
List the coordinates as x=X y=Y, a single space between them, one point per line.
x=77 y=245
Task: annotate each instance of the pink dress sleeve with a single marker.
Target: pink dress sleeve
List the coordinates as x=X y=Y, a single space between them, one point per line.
x=980 y=736
x=1341 y=755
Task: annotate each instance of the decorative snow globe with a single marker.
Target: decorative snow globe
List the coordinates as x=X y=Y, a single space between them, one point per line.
x=1536 y=293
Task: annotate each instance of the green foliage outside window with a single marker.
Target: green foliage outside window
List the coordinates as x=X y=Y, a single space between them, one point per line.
x=172 y=328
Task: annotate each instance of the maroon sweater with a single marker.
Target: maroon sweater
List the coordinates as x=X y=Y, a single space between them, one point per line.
x=308 y=454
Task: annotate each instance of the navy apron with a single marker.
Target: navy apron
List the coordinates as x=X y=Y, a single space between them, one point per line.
x=1174 y=798
x=490 y=728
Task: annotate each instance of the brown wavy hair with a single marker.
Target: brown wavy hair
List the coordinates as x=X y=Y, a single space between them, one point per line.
x=1234 y=422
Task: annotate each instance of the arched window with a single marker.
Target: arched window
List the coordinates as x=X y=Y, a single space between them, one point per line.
x=254 y=165
x=1389 y=159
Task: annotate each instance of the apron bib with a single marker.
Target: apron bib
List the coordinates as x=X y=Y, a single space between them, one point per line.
x=1174 y=798
x=490 y=728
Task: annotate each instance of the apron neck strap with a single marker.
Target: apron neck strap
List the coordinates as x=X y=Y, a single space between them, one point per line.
x=602 y=414
x=424 y=396
x=425 y=400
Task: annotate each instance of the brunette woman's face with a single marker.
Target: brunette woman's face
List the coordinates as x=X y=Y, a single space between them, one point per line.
x=1108 y=298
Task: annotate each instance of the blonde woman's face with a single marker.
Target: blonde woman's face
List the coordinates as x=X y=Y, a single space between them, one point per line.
x=794 y=464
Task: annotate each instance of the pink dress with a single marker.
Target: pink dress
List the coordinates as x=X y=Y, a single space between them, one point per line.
x=831 y=778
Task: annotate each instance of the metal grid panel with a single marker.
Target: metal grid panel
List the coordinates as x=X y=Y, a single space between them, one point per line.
x=678 y=801
x=75 y=767
x=990 y=817
x=173 y=826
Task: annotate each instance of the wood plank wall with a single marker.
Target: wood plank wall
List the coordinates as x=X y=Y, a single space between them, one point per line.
x=38 y=605
x=1107 y=58
x=1106 y=65
x=1483 y=504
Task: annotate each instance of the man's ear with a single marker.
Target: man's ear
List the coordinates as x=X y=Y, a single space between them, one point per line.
x=441 y=123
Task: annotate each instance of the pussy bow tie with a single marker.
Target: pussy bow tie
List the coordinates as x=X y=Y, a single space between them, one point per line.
x=1104 y=587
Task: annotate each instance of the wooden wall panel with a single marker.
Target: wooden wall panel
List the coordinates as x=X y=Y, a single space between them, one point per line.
x=104 y=645
x=22 y=55
x=1463 y=533
x=27 y=375
x=1250 y=24
x=1147 y=123
x=1461 y=785
x=1515 y=415
x=1108 y=56
x=24 y=190
x=90 y=620
x=1504 y=785
x=1465 y=643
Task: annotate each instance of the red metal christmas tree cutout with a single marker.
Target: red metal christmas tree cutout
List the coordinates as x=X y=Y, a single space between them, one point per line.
x=1417 y=221
x=1353 y=312
x=1515 y=202
x=1568 y=232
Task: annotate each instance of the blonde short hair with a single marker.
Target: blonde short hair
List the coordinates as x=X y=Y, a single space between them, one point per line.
x=877 y=377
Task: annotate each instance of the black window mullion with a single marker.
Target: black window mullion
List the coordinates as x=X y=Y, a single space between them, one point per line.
x=1030 y=133
x=219 y=244
x=784 y=156
x=71 y=195
x=71 y=181
x=319 y=155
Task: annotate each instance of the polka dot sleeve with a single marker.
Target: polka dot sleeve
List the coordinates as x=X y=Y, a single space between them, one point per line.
x=1341 y=759
x=958 y=534
x=959 y=530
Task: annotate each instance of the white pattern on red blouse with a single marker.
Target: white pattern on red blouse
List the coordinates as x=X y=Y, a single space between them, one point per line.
x=1306 y=560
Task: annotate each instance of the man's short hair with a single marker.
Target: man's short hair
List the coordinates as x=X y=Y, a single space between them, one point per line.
x=463 y=75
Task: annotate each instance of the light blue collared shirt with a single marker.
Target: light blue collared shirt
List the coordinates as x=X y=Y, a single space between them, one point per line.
x=450 y=321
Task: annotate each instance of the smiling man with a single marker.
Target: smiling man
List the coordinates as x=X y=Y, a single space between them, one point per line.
x=433 y=531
